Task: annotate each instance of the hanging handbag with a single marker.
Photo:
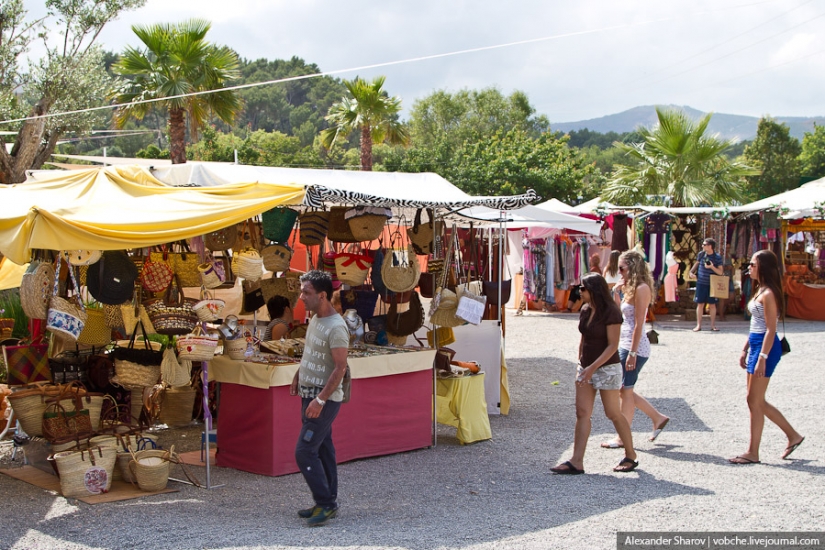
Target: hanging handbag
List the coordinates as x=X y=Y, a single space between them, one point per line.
x=352 y=268
x=328 y=265
x=175 y=371
x=276 y=257
x=400 y=275
x=443 y=357
x=64 y=317
x=288 y=286
x=172 y=316
x=278 y=223
x=209 y=308
x=361 y=300
x=137 y=364
x=196 y=346
x=253 y=296
x=95 y=331
x=112 y=316
x=406 y=322
x=247 y=262
x=491 y=288
x=35 y=289
x=313 y=227
x=156 y=274
x=185 y=264
x=212 y=272
x=366 y=223
x=135 y=311
x=222 y=239
x=440 y=337
x=421 y=235
x=786 y=346
x=27 y=364
x=338 y=230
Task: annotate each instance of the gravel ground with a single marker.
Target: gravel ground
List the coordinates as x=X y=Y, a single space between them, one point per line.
x=499 y=493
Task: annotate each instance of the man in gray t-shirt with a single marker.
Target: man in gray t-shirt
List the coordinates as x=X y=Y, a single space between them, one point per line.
x=318 y=382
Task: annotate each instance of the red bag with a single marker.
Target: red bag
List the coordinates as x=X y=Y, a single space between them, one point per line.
x=27 y=364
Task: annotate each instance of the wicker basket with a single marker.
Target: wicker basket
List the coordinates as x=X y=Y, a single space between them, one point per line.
x=276 y=257
x=95 y=331
x=122 y=469
x=209 y=308
x=84 y=473
x=29 y=405
x=248 y=264
x=235 y=348
x=278 y=223
x=210 y=276
x=367 y=222
x=314 y=227
x=176 y=406
x=35 y=289
x=401 y=277
x=222 y=239
x=352 y=269
x=151 y=468
x=196 y=346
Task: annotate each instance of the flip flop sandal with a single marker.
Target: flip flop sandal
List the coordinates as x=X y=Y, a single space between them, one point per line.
x=626 y=465
x=791 y=449
x=742 y=460
x=658 y=430
x=566 y=468
x=612 y=444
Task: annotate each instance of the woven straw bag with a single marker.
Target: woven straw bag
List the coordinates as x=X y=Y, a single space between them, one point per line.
x=248 y=264
x=156 y=274
x=396 y=340
x=400 y=276
x=421 y=234
x=445 y=313
x=170 y=316
x=150 y=469
x=209 y=308
x=112 y=315
x=84 y=473
x=288 y=286
x=137 y=362
x=276 y=257
x=29 y=404
x=35 y=289
x=367 y=222
x=211 y=272
x=278 y=223
x=176 y=406
x=196 y=346
x=235 y=348
x=222 y=239
x=338 y=230
x=352 y=269
x=313 y=227
x=134 y=311
x=95 y=331
x=64 y=317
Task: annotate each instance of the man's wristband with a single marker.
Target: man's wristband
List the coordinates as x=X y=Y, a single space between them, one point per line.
x=320 y=401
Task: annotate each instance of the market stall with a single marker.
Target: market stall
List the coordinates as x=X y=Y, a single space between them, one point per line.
x=122 y=210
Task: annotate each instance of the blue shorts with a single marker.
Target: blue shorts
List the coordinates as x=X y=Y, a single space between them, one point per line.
x=755 y=346
x=703 y=295
x=630 y=376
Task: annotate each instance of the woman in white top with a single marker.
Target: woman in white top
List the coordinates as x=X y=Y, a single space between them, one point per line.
x=633 y=294
x=762 y=353
x=611 y=272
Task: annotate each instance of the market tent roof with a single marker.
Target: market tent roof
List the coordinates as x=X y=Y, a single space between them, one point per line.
x=533 y=216
x=801 y=202
x=11 y=274
x=115 y=161
x=388 y=189
x=121 y=207
x=554 y=205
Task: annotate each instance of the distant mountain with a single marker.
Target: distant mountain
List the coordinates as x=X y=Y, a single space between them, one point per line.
x=727 y=126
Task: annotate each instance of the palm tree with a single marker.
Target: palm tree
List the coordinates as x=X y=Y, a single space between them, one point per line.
x=369 y=109
x=677 y=161
x=177 y=60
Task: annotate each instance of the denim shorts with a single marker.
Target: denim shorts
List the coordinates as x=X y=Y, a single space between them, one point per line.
x=606 y=377
x=703 y=295
x=630 y=376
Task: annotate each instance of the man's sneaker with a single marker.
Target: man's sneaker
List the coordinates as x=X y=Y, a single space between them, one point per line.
x=321 y=516
x=306 y=513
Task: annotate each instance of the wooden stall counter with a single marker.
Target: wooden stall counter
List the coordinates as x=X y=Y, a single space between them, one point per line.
x=805 y=301
x=390 y=411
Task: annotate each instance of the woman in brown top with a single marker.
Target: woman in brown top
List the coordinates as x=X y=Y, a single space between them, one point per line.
x=599 y=369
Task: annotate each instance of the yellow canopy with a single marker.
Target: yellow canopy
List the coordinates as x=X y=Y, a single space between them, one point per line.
x=11 y=274
x=121 y=207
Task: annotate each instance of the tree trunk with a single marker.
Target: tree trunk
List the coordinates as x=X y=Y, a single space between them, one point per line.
x=177 y=136
x=366 y=148
x=13 y=166
x=46 y=150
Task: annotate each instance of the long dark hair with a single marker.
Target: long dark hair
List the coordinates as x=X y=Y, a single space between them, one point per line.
x=600 y=299
x=769 y=276
x=613 y=263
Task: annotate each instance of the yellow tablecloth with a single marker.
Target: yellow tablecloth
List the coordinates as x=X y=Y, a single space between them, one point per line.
x=264 y=376
x=460 y=403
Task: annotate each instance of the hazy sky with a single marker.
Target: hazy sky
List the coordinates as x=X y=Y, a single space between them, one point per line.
x=749 y=57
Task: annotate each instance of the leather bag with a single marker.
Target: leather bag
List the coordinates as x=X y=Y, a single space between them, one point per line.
x=406 y=322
